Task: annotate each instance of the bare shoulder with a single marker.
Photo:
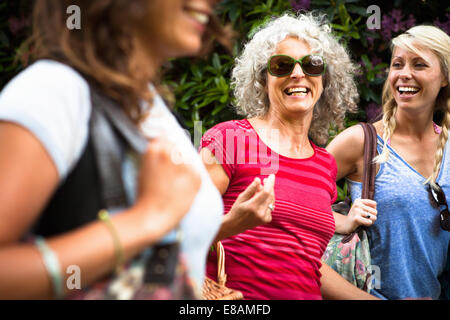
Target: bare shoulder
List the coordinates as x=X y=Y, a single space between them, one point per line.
x=354 y=137
x=350 y=139
x=379 y=127
x=348 y=150
x=215 y=170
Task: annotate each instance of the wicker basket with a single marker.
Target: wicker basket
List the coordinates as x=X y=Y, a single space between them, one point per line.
x=213 y=290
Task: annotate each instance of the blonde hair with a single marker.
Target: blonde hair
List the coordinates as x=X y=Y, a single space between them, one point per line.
x=250 y=72
x=413 y=40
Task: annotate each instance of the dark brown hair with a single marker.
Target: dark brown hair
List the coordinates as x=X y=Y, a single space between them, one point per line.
x=105 y=49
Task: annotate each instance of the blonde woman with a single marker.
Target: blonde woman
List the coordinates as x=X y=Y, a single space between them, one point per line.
x=409 y=237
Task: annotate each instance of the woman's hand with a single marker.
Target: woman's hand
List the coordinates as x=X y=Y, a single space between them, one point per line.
x=166 y=189
x=252 y=208
x=363 y=212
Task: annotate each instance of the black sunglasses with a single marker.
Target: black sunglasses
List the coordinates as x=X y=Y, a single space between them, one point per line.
x=438 y=196
x=281 y=65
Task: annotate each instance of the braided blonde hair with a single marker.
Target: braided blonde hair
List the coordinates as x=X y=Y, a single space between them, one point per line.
x=437 y=41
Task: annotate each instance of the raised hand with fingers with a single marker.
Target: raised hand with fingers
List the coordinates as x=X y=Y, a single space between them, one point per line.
x=252 y=208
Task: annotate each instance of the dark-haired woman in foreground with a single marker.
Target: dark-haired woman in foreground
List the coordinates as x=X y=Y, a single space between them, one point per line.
x=44 y=130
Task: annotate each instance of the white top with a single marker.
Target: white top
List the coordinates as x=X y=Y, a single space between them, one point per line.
x=52 y=101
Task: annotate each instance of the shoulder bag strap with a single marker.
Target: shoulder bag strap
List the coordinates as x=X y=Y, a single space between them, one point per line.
x=370 y=151
x=369 y=170
x=112 y=131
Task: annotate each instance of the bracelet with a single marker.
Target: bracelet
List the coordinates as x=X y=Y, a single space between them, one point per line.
x=52 y=266
x=103 y=216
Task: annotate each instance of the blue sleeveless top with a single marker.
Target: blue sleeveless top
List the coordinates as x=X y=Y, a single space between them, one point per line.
x=407 y=243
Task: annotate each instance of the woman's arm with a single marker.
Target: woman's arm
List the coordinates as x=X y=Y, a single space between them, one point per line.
x=348 y=151
x=335 y=287
x=29 y=178
x=250 y=208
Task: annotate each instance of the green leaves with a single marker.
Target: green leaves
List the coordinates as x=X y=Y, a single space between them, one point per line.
x=203 y=90
x=14 y=28
x=347 y=28
x=374 y=76
x=342 y=191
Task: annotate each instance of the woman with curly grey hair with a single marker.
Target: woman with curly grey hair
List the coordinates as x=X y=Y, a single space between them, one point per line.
x=292 y=82
x=339 y=92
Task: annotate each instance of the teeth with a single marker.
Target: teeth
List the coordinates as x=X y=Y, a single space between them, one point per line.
x=199 y=16
x=408 y=89
x=291 y=90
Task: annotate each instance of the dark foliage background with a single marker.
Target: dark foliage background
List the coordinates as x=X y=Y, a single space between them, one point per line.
x=200 y=87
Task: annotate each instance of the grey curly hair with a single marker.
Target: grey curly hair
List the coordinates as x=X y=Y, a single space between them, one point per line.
x=250 y=72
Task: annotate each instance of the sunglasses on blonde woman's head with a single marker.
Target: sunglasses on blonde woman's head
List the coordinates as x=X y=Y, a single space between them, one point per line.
x=440 y=200
x=281 y=65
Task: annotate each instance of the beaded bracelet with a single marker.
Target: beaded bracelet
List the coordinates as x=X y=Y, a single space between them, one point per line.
x=52 y=266
x=103 y=216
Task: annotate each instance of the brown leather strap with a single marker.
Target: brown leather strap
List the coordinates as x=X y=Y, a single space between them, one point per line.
x=369 y=169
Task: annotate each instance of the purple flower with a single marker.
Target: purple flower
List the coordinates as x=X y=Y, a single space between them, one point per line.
x=394 y=23
x=298 y=5
x=410 y=22
x=396 y=16
x=372 y=111
x=387 y=24
x=376 y=60
x=445 y=26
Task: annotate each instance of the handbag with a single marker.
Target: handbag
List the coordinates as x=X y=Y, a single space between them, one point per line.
x=213 y=290
x=160 y=272
x=349 y=255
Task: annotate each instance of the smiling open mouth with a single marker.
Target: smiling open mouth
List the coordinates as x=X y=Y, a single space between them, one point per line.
x=407 y=90
x=198 y=16
x=297 y=92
